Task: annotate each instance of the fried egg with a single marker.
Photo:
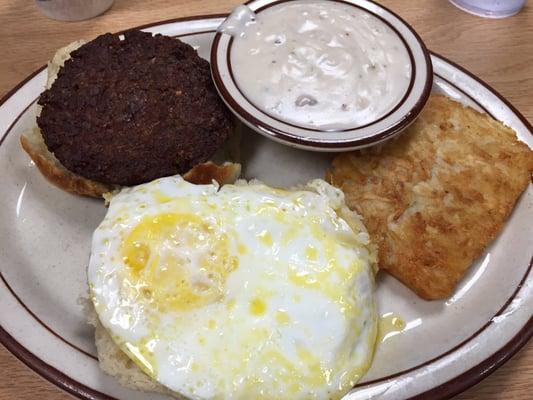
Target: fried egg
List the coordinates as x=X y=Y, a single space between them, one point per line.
x=237 y=292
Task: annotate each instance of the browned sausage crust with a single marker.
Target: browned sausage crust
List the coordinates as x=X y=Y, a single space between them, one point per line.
x=128 y=111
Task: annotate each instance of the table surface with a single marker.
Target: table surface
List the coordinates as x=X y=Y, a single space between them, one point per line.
x=498 y=51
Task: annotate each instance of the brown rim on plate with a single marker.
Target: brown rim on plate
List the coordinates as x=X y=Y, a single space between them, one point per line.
x=48 y=372
x=443 y=391
x=313 y=144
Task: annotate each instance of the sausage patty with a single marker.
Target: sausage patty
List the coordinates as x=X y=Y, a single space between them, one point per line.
x=129 y=111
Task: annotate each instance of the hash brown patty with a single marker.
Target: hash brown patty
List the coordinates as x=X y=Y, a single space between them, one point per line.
x=128 y=111
x=433 y=199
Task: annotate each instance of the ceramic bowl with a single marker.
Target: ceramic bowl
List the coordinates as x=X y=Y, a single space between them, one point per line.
x=396 y=119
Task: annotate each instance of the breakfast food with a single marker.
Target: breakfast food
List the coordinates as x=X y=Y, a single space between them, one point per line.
x=434 y=199
x=318 y=64
x=236 y=292
x=120 y=112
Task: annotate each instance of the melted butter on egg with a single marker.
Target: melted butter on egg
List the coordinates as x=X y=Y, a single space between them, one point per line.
x=257 y=307
x=282 y=317
x=179 y=260
x=304 y=374
x=311 y=253
x=320 y=279
x=266 y=238
x=142 y=353
x=195 y=295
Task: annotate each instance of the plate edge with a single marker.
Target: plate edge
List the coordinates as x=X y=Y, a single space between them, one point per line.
x=477 y=373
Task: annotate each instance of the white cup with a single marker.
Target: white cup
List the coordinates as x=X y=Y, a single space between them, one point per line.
x=490 y=8
x=73 y=10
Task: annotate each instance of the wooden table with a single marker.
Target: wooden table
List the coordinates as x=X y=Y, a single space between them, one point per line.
x=498 y=51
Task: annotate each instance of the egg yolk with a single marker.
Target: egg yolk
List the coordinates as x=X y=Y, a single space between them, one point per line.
x=177 y=261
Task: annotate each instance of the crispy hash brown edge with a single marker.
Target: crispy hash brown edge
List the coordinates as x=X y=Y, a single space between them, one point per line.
x=385 y=197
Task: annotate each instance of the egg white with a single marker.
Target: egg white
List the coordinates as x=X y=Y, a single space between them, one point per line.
x=237 y=292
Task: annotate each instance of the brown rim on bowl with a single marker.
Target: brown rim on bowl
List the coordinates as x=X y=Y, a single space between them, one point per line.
x=336 y=145
x=396 y=106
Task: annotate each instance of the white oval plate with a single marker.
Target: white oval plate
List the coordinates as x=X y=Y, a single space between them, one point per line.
x=45 y=238
x=387 y=126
